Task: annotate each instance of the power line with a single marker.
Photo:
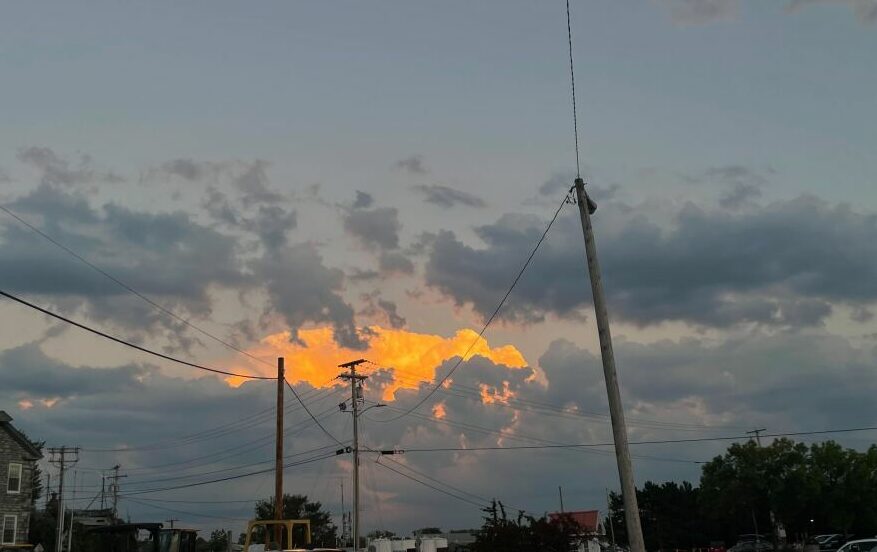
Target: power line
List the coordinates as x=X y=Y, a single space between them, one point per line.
x=326 y=431
x=433 y=487
x=654 y=442
x=489 y=320
x=126 y=286
x=228 y=478
x=572 y=79
x=128 y=343
x=175 y=511
x=529 y=405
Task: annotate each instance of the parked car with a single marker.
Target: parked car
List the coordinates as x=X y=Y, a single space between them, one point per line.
x=861 y=545
x=830 y=542
x=752 y=543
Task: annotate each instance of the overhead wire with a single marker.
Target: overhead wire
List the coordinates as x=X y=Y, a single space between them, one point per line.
x=643 y=442
x=128 y=343
x=489 y=321
x=126 y=286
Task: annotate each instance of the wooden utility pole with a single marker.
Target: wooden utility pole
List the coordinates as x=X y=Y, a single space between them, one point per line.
x=355 y=397
x=62 y=457
x=278 y=458
x=616 y=408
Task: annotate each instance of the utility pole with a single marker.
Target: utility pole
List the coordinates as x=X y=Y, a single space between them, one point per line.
x=114 y=488
x=72 y=514
x=611 y=523
x=757 y=433
x=278 y=459
x=343 y=518
x=355 y=396
x=171 y=521
x=62 y=457
x=616 y=408
x=560 y=492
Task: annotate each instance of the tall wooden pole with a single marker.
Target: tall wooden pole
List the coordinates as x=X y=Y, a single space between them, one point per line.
x=278 y=460
x=616 y=409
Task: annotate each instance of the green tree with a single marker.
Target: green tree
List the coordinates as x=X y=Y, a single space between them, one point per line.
x=218 y=541
x=323 y=531
x=524 y=533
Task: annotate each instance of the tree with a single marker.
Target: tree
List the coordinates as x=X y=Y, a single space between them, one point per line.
x=323 y=531
x=218 y=541
x=524 y=533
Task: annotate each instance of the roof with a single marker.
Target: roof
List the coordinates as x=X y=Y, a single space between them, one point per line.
x=588 y=520
x=18 y=437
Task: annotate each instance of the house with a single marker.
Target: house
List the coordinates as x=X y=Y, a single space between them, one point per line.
x=17 y=461
x=587 y=520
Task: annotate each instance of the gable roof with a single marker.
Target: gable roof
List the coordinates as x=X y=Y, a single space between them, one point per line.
x=588 y=520
x=18 y=437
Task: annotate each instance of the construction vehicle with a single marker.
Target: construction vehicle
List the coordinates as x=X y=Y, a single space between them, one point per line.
x=138 y=537
x=277 y=534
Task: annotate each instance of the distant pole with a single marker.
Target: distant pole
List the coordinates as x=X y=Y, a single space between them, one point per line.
x=355 y=396
x=228 y=541
x=171 y=521
x=560 y=492
x=114 y=487
x=616 y=408
x=278 y=459
x=757 y=433
x=611 y=523
x=72 y=513
x=61 y=457
x=343 y=518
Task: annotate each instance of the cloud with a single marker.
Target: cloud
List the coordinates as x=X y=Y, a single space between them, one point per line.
x=784 y=264
x=56 y=170
x=363 y=200
x=395 y=262
x=167 y=257
x=700 y=12
x=412 y=164
x=187 y=169
x=272 y=223
x=302 y=289
x=864 y=10
x=447 y=197
x=253 y=184
x=26 y=371
x=375 y=228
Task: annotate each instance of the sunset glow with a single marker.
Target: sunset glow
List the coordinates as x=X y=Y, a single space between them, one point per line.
x=410 y=358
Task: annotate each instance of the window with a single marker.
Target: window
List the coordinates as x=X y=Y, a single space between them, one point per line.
x=10 y=524
x=13 y=484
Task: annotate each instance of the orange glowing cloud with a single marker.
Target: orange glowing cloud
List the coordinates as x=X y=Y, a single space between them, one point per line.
x=490 y=395
x=410 y=358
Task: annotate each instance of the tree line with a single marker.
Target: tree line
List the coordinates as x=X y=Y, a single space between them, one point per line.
x=807 y=490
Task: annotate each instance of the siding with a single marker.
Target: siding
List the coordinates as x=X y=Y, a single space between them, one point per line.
x=15 y=504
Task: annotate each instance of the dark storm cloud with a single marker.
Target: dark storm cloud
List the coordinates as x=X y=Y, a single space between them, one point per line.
x=395 y=262
x=363 y=200
x=376 y=228
x=447 y=197
x=272 y=223
x=739 y=195
x=783 y=264
x=27 y=371
x=302 y=289
x=412 y=164
x=793 y=380
x=56 y=170
x=166 y=256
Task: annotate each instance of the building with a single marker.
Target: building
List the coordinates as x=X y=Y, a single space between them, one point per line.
x=18 y=459
x=587 y=520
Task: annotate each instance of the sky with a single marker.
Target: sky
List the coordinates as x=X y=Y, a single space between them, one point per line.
x=327 y=181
